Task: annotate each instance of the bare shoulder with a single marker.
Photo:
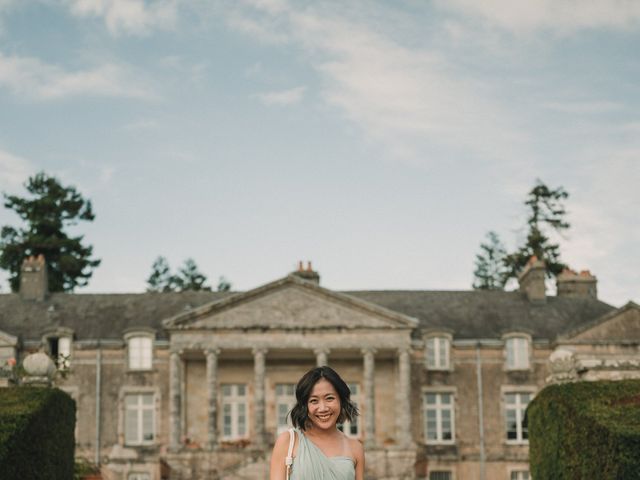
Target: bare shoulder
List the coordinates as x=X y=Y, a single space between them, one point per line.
x=282 y=439
x=356 y=447
x=282 y=443
x=280 y=448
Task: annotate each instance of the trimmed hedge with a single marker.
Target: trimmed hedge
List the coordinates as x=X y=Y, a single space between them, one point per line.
x=36 y=434
x=586 y=431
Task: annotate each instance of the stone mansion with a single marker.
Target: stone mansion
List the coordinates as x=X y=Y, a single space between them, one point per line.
x=196 y=385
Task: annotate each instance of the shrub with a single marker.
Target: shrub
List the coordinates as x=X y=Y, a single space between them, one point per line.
x=36 y=434
x=586 y=430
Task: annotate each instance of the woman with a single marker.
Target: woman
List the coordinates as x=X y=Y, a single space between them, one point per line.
x=321 y=451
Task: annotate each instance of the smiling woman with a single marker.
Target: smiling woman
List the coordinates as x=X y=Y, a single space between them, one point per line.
x=318 y=449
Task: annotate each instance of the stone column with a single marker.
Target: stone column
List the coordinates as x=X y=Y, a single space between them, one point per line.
x=175 y=400
x=212 y=387
x=369 y=397
x=259 y=397
x=403 y=414
x=321 y=357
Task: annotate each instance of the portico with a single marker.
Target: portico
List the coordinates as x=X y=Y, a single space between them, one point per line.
x=251 y=349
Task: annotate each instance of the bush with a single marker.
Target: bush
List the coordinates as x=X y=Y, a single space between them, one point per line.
x=586 y=430
x=83 y=468
x=36 y=434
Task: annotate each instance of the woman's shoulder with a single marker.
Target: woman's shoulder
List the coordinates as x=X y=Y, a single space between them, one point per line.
x=282 y=440
x=356 y=447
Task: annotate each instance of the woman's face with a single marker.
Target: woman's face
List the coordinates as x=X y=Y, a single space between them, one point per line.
x=324 y=405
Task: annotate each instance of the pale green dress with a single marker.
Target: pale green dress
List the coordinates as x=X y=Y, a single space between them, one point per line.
x=311 y=464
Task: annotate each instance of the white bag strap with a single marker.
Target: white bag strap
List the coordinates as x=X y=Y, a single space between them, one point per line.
x=289 y=460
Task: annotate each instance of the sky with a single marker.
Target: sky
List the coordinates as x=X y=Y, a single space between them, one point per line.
x=379 y=140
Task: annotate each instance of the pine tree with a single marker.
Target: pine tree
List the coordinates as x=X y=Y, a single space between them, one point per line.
x=546 y=214
x=224 y=285
x=161 y=279
x=189 y=278
x=50 y=210
x=490 y=272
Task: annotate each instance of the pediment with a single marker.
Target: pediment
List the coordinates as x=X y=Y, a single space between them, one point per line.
x=290 y=304
x=622 y=324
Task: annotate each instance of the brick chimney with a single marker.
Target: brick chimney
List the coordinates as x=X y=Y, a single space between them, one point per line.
x=33 y=279
x=307 y=273
x=577 y=285
x=531 y=280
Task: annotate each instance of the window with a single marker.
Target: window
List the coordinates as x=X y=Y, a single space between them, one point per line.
x=140 y=422
x=138 y=476
x=437 y=353
x=285 y=400
x=517 y=353
x=60 y=350
x=353 y=429
x=515 y=406
x=440 y=475
x=520 y=475
x=438 y=417
x=140 y=353
x=234 y=410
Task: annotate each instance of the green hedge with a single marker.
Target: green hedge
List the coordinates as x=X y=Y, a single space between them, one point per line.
x=36 y=434
x=586 y=431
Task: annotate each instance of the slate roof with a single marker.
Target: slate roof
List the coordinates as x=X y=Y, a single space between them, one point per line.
x=489 y=314
x=92 y=316
x=469 y=314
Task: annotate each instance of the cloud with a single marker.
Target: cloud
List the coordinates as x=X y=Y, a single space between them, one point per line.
x=135 y=17
x=562 y=16
x=143 y=124
x=587 y=107
x=402 y=97
x=605 y=232
x=282 y=97
x=5 y=5
x=14 y=170
x=266 y=32
x=194 y=72
x=30 y=77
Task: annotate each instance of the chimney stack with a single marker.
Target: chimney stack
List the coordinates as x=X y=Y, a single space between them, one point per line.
x=531 y=280
x=307 y=273
x=577 y=285
x=34 y=283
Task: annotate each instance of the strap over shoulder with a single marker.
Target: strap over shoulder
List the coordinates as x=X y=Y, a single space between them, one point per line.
x=289 y=460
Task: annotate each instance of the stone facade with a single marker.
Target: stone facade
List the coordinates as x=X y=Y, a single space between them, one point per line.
x=196 y=389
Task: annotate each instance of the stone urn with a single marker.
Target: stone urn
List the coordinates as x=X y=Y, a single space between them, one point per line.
x=562 y=366
x=39 y=369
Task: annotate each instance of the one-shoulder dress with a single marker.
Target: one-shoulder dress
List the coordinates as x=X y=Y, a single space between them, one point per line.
x=311 y=464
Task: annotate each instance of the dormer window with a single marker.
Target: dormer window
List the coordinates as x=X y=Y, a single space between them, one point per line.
x=517 y=352
x=58 y=345
x=139 y=350
x=437 y=352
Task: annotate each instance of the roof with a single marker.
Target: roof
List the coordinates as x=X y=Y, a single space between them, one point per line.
x=91 y=316
x=489 y=314
x=469 y=314
x=583 y=327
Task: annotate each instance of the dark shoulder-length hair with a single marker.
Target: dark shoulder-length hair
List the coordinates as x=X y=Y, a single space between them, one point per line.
x=300 y=412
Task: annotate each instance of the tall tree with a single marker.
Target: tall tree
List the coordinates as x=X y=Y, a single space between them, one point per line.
x=50 y=210
x=490 y=272
x=224 y=285
x=161 y=279
x=190 y=278
x=546 y=214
